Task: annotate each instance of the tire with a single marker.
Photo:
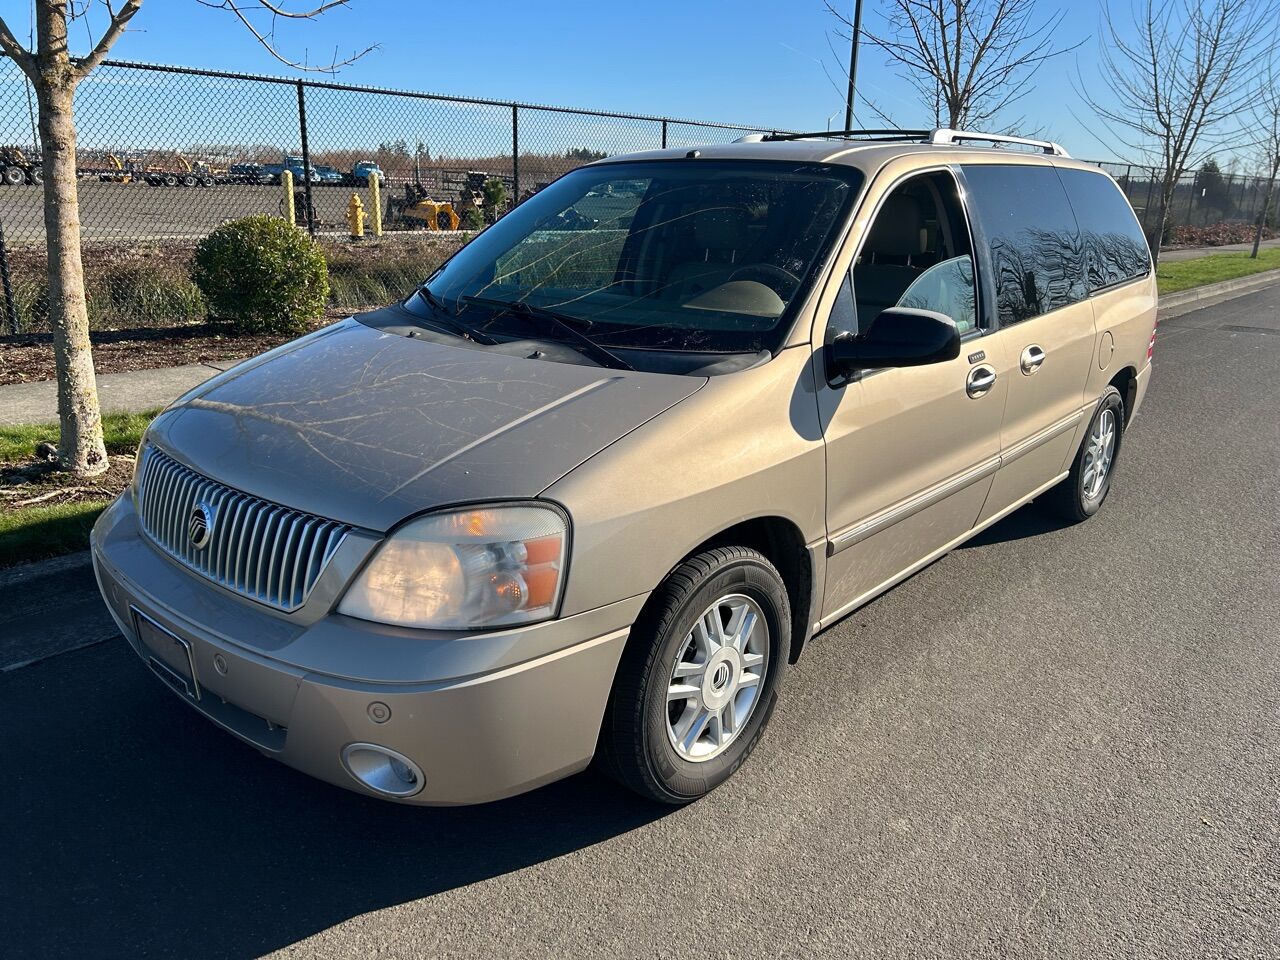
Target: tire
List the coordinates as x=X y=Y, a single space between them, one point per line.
x=642 y=722
x=189 y=181
x=207 y=181
x=169 y=180
x=36 y=176
x=1080 y=495
x=13 y=176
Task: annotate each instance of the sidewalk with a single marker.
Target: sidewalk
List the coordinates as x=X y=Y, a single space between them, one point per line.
x=1190 y=253
x=131 y=392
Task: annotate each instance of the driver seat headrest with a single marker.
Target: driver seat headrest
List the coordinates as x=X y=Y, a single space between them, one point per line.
x=898 y=229
x=720 y=229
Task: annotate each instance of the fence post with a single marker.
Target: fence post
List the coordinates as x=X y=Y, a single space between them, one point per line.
x=515 y=154
x=1146 y=206
x=306 y=161
x=375 y=203
x=10 y=308
x=664 y=134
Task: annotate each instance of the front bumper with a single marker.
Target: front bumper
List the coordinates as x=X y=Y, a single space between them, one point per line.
x=484 y=716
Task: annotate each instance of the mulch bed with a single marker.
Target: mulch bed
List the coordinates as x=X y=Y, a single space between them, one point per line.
x=28 y=358
x=40 y=483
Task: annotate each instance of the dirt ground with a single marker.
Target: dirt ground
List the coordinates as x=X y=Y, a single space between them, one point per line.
x=37 y=482
x=28 y=359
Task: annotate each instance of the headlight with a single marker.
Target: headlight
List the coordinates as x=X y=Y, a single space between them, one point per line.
x=480 y=567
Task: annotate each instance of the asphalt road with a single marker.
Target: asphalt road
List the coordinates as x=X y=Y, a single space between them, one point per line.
x=1055 y=742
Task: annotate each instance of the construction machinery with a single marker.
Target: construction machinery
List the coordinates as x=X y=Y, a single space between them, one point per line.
x=120 y=171
x=416 y=210
x=175 y=170
x=16 y=168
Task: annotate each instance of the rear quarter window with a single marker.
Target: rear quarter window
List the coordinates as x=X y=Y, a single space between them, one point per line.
x=1115 y=249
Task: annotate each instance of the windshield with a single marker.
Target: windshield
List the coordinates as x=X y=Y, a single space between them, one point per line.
x=687 y=255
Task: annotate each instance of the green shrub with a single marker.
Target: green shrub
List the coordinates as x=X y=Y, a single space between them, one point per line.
x=262 y=276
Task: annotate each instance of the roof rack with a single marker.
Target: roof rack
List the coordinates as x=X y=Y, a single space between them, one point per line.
x=886 y=134
x=943 y=136
x=946 y=136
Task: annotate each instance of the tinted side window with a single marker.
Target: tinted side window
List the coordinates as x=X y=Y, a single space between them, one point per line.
x=1114 y=245
x=1037 y=256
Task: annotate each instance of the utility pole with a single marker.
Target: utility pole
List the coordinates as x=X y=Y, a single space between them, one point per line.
x=853 y=63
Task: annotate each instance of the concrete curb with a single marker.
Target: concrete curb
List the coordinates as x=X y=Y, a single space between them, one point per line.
x=1218 y=291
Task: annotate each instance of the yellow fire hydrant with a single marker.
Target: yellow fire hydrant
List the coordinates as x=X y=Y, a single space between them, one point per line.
x=355 y=217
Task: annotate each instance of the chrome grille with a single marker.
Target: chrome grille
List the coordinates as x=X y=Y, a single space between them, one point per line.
x=256 y=548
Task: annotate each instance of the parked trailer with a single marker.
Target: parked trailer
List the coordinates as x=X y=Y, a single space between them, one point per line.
x=16 y=168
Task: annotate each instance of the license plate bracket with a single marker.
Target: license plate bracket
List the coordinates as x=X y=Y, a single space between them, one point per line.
x=169 y=655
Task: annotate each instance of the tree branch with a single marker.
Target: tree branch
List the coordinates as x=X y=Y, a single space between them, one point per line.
x=267 y=39
x=16 y=51
x=115 y=29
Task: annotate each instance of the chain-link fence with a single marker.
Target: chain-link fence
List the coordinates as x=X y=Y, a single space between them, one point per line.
x=1207 y=207
x=166 y=154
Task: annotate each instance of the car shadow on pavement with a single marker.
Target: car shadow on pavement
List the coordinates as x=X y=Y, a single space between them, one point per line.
x=1032 y=520
x=132 y=827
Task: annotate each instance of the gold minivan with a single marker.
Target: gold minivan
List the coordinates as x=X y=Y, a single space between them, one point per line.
x=591 y=488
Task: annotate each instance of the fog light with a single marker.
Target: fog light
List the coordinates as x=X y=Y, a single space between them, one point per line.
x=383 y=771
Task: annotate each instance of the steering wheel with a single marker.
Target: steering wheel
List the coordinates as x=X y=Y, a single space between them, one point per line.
x=780 y=281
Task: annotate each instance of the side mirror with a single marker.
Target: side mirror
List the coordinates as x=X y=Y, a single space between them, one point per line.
x=898 y=337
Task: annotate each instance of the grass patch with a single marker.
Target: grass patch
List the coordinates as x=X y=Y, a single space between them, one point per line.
x=37 y=531
x=1184 y=274
x=121 y=431
x=40 y=532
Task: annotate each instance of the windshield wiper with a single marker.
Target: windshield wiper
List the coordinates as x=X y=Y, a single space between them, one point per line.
x=560 y=322
x=444 y=318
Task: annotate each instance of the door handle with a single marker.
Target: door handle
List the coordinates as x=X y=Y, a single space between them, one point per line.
x=1032 y=357
x=981 y=380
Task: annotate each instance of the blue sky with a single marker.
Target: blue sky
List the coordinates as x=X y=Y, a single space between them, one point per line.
x=747 y=61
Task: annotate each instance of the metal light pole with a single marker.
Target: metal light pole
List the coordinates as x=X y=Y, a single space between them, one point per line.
x=853 y=63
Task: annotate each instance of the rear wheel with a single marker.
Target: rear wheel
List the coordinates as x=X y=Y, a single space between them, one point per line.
x=169 y=180
x=37 y=176
x=13 y=176
x=699 y=677
x=1079 y=496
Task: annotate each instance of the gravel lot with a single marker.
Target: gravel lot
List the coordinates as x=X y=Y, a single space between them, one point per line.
x=1055 y=742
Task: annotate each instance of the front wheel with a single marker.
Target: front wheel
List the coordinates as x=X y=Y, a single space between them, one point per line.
x=698 y=680
x=1079 y=496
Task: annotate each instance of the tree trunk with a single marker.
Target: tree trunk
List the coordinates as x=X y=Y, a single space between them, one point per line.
x=80 y=448
x=1156 y=236
x=1266 y=207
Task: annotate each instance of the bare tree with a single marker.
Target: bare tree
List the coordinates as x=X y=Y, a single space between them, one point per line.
x=1177 y=79
x=54 y=74
x=1266 y=113
x=969 y=60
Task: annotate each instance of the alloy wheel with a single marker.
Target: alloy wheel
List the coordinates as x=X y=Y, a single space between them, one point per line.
x=1099 y=455
x=716 y=679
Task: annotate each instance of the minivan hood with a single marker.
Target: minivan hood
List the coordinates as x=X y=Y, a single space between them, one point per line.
x=368 y=427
